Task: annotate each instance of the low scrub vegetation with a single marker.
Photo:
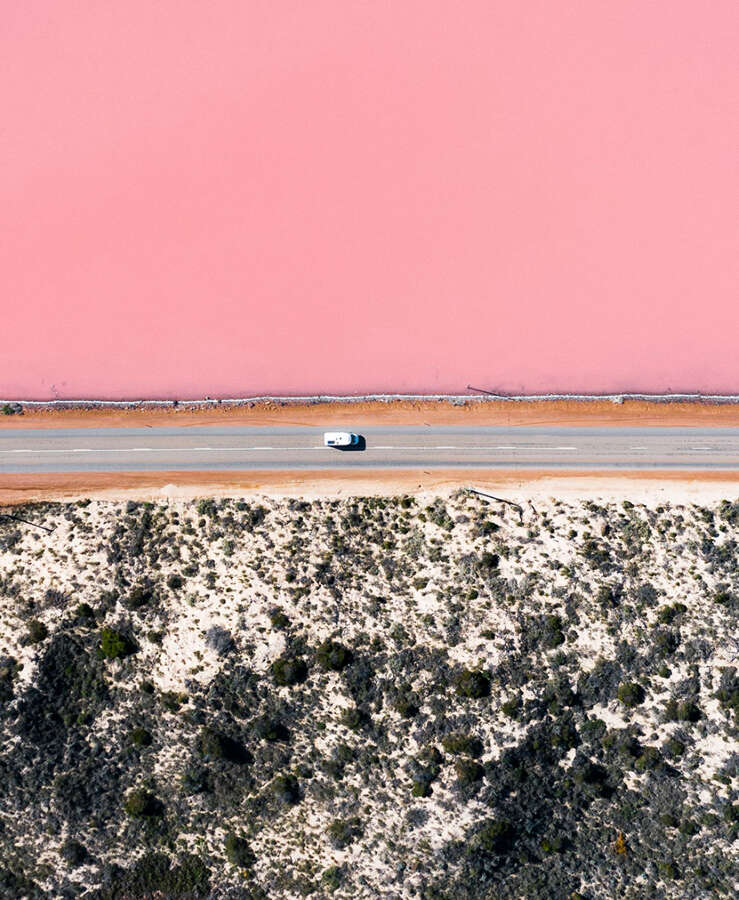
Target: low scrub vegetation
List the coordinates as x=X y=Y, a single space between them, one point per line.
x=414 y=698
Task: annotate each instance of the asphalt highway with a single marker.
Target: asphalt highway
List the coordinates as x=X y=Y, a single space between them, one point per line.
x=242 y=449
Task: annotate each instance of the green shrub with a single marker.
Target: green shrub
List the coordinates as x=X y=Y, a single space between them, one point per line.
x=279 y=620
x=286 y=789
x=141 y=804
x=139 y=596
x=114 y=645
x=353 y=718
x=140 y=737
x=214 y=745
x=462 y=744
x=405 y=706
x=731 y=812
x=421 y=788
x=468 y=771
x=289 y=670
x=343 y=832
x=84 y=614
x=666 y=614
x=667 y=870
x=511 y=707
x=37 y=632
x=238 y=851
x=495 y=836
x=333 y=877
x=332 y=656
x=649 y=759
x=472 y=684
x=151 y=876
x=207 y=507
x=73 y=853
x=684 y=711
x=489 y=561
x=172 y=700
x=631 y=694
x=268 y=729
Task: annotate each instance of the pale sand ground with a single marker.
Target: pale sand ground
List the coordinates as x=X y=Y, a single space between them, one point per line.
x=650 y=488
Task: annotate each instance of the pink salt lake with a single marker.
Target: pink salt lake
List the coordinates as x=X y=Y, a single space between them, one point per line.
x=274 y=196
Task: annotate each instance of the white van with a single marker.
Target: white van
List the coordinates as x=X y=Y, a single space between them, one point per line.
x=340 y=439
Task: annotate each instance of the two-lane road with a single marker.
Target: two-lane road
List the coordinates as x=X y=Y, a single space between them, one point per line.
x=245 y=448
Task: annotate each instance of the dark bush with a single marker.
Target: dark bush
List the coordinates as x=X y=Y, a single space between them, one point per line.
x=468 y=771
x=84 y=615
x=73 y=853
x=332 y=656
x=238 y=851
x=114 y=645
x=175 y=581
x=495 y=836
x=353 y=718
x=139 y=596
x=667 y=614
x=141 y=804
x=631 y=694
x=213 y=745
x=289 y=670
x=153 y=876
x=286 y=789
x=268 y=729
x=279 y=620
x=220 y=640
x=472 y=684
x=333 y=877
x=682 y=711
x=37 y=632
x=140 y=737
x=462 y=744
x=343 y=832
x=489 y=561
x=405 y=706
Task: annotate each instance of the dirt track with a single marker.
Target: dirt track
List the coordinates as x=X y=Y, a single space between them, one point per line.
x=695 y=487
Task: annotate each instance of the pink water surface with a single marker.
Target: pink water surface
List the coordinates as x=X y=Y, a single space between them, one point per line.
x=298 y=196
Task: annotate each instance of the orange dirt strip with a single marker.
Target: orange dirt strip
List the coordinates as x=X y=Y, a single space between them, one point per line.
x=395 y=412
x=17 y=489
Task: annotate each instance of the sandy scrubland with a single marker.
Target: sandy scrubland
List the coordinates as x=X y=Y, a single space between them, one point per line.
x=389 y=696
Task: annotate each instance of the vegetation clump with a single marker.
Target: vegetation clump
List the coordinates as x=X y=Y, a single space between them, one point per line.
x=473 y=684
x=114 y=645
x=631 y=694
x=140 y=803
x=238 y=852
x=333 y=656
x=343 y=832
x=37 y=632
x=289 y=670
